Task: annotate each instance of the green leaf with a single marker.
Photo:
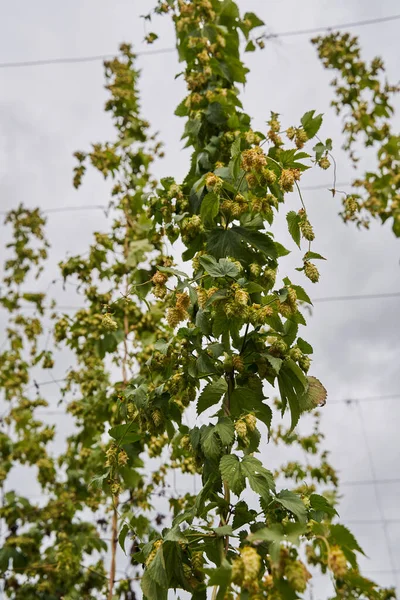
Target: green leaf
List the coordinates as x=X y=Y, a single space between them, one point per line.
x=210 y=442
x=292 y=384
x=242 y=515
x=304 y=346
x=211 y=394
x=209 y=208
x=224 y=242
x=233 y=242
x=260 y=479
x=122 y=536
x=340 y=535
x=293 y=221
x=290 y=331
x=162 y=346
x=301 y=294
x=253 y=19
x=175 y=535
x=293 y=503
x=311 y=124
x=281 y=250
x=222 y=268
x=258 y=240
x=221 y=577
x=250 y=46
x=98 y=481
x=314 y=396
x=223 y=530
x=231 y=472
x=155 y=581
x=125 y=434
x=321 y=504
x=274 y=533
x=319 y=150
x=225 y=430
x=275 y=363
x=315 y=255
x=216 y=114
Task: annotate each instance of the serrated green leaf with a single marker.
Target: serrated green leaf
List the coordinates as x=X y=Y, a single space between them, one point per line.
x=122 y=536
x=210 y=442
x=225 y=430
x=250 y=46
x=221 y=577
x=260 y=479
x=175 y=535
x=320 y=503
x=340 y=535
x=293 y=221
x=304 y=346
x=301 y=293
x=293 y=503
x=292 y=384
x=275 y=363
x=211 y=394
x=162 y=346
x=125 y=434
x=258 y=240
x=242 y=515
x=315 y=255
x=155 y=581
x=223 y=530
x=209 y=208
x=314 y=396
x=253 y=19
x=231 y=472
x=222 y=268
x=274 y=533
x=311 y=124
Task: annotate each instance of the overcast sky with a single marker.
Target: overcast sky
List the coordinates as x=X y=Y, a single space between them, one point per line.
x=48 y=112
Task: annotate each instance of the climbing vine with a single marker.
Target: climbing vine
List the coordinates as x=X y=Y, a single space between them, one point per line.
x=366 y=102
x=178 y=359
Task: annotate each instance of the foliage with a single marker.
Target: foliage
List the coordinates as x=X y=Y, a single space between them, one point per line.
x=157 y=344
x=365 y=100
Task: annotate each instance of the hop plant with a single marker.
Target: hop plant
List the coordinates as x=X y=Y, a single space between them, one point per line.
x=252 y=564
x=337 y=562
x=241 y=429
x=237 y=573
x=159 y=278
x=213 y=182
x=305 y=226
x=297 y=575
x=311 y=271
x=288 y=178
x=251 y=422
x=324 y=163
x=108 y=323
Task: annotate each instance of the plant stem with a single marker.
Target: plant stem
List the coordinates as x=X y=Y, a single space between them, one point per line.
x=114 y=526
x=114 y=541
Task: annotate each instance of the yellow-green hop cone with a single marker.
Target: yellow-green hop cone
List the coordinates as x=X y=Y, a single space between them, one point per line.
x=307 y=230
x=237 y=573
x=337 y=562
x=108 y=322
x=351 y=205
x=297 y=575
x=251 y=422
x=241 y=429
x=304 y=363
x=252 y=563
x=311 y=271
x=324 y=162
